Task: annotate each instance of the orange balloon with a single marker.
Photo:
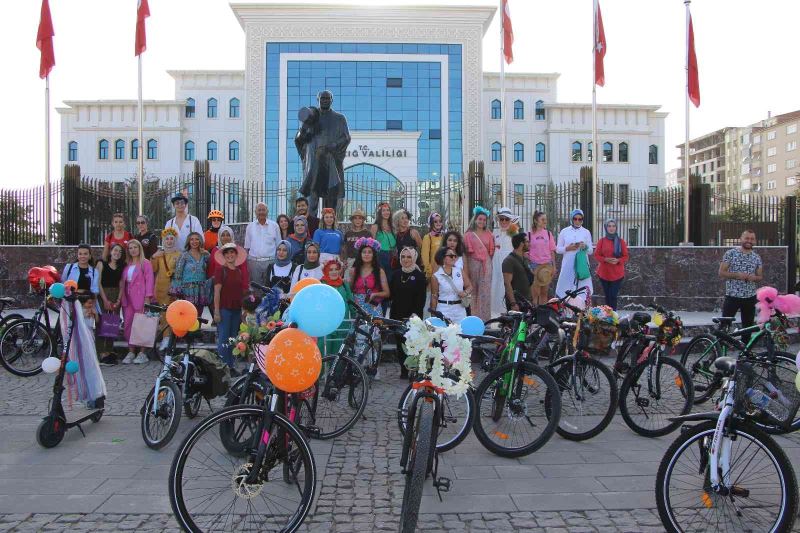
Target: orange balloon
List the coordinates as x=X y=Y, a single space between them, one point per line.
x=302 y=284
x=292 y=361
x=181 y=315
x=180 y=333
x=71 y=283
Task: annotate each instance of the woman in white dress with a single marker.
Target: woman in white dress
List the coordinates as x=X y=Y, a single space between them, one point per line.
x=571 y=239
x=508 y=227
x=448 y=286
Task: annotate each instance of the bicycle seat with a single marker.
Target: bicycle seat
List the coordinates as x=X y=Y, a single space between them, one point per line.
x=641 y=317
x=482 y=339
x=726 y=365
x=723 y=320
x=7 y=300
x=493 y=333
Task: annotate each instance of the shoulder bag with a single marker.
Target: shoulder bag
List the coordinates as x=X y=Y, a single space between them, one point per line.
x=466 y=300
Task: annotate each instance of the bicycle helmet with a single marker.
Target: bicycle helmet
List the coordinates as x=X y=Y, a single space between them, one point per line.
x=216 y=213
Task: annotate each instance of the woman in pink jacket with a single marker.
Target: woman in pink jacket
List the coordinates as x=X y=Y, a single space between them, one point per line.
x=136 y=289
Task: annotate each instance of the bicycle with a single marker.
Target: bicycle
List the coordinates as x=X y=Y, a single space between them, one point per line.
x=26 y=342
x=725 y=474
x=6 y=319
x=657 y=386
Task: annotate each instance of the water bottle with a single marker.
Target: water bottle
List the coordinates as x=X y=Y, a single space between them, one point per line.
x=775 y=393
x=763 y=402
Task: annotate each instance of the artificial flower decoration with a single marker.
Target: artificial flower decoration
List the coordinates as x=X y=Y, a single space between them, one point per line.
x=438 y=351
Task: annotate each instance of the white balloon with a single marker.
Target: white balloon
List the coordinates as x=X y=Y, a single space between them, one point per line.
x=51 y=365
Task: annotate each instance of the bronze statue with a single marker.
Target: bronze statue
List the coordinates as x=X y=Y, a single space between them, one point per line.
x=322 y=141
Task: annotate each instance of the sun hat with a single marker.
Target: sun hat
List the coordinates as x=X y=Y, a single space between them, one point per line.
x=543 y=275
x=358 y=213
x=241 y=253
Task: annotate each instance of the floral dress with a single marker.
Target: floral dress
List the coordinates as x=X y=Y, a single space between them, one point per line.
x=189 y=280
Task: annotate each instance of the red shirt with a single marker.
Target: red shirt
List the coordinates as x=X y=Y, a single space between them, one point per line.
x=111 y=240
x=607 y=271
x=234 y=286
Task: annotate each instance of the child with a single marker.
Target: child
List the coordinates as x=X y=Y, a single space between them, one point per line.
x=230 y=283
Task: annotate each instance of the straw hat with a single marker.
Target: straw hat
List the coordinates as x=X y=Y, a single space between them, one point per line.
x=358 y=213
x=543 y=275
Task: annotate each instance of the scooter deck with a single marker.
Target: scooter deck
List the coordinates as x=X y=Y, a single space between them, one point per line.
x=79 y=415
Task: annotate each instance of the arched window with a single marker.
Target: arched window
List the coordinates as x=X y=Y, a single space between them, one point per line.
x=190 y=108
x=119 y=149
x=152 y=149
x=135 y=149
x=188 y=151
x=211 y=150
x=589 y=151
x=102 y=149
x=653 y=155
x=497 y=151
x=519 y=152
x=577 y=151
x=539 y=110
x=608 y=152
x=233 y=108
x=519 y=110
x=497 y=112
x=623 y=152
x=540 y=155
x=212 y=108
x=72 y=151
x=233 y=151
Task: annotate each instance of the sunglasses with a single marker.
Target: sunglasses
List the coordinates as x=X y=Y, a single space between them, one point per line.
x=141 y=222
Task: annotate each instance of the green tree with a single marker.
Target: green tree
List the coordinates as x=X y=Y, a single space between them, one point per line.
x=19 y=225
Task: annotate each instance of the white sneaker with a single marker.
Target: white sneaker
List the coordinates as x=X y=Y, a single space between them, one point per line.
x=140 y=359
x=128 y=358
x=164 y=344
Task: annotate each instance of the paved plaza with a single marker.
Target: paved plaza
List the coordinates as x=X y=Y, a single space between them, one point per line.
x=110 y=481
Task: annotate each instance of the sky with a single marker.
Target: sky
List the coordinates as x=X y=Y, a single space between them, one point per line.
x=745 y=53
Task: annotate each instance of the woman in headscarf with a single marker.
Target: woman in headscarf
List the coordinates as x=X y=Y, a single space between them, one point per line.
x=163 y=263
x=298 y=239
x=508 y=227
x=310 y=267
x=279 y=273
x=611 y=254
x=333 y=275
x=431 y=242
x=479 y=247
x=408 y=285
x=570 y=240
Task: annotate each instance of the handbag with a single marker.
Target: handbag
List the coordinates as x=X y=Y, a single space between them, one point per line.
x=143 y=330
x=582 y=265
x=466 y=300
x=109 y=326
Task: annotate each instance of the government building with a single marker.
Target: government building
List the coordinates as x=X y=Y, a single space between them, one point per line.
x=410 y=81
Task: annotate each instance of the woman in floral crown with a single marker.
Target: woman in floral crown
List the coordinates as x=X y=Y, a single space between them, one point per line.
x=163 y=263
x=508 y=224
x=369 y=283
x=479 y=244
x=333 y=275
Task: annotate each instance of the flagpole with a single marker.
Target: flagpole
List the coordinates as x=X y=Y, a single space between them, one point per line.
x=47 y=200
x=686 y=143
x=503 y=111
x=595 y=151
x=142 y=144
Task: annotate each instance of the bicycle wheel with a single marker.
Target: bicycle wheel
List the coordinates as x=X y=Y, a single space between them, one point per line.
x=698 y=359
x=763 y=488
x=525 y=425
x=160 y=426
x=589 y=397
x=459 y=414
x=419 y=457
x=24 y=345
x=341 y=396
x=652 y=394
x=208 y=489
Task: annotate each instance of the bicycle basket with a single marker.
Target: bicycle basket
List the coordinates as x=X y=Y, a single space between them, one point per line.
x=601 y=336
x=767 y=390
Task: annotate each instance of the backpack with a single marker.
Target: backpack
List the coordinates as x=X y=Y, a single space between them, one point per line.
x=582 y=265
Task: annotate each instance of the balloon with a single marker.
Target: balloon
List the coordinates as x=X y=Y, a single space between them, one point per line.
x=72 y=367
x=472 y=325
x=658 y=319
x=318 y=309
x=436 y=322
x=302 y=284
x=51 y=365
x=195 y=326
x=797 y=381
x=181 y=315
x=292 y=361
x=797 y=361
x=180 y=333
x=57 y=290
x=71 y=283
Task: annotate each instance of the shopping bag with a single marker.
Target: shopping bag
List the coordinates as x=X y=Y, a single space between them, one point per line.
x=143 y=330
x=109 y=326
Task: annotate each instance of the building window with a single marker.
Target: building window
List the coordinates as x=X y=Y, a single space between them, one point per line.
x=189 y=108
x=497 y=112
x=791 y=145
x=188 y=151
x=589 y=151
x=790 y=163
x=608 y=152
x=756 y=139
x=519 y=152
x=102 y=149
x=623 y=152
x=394 y=82
x=771 y=151
x=119 y=149
x=540 y=155
x=211 y=150
x=435 y=134
x=791 y=128
x=135 y=149
x=519 y=110
x=652 y=188
x=608 y=193
x=539 y=110
x=653 y=155
x=519 y=194
x=152 y=149
x=772 y=167
x=577 y=151
x=394 y=124
x=72 y=151
x=212 y=108
x=771 y=135
x=233 y=151
x=711 y=166
x=233 y=108
x=623 y=193
x=771 y=185
x=497 y=152
x=791 y=181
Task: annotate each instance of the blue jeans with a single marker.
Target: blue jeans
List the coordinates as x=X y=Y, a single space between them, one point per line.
x=611 y=291
x=229 y=327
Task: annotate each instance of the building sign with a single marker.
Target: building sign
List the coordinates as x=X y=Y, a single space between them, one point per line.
x=365 y=151
x=393 y=151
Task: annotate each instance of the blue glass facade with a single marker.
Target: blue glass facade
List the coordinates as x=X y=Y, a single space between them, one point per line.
x=373 y=95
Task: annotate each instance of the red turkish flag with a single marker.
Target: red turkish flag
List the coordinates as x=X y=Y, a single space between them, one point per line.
x=599 y=47
x=693 y=78
x=508 y=34
x=142 y=12
x=44 y=41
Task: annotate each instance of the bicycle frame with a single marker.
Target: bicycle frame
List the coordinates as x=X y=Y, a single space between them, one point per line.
x=428 y=392
x=720 y=453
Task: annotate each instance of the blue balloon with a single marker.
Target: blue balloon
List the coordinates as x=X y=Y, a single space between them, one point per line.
x=318 y=310
x=57 y=290
x=436 y=322
x=72 y=367
x=472 y=325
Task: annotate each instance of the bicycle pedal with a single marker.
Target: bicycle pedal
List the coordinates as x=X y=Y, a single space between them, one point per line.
x=442 y=484
x=313 y=431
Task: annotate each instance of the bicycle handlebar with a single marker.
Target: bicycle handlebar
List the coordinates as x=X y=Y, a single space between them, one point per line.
x=259 y=286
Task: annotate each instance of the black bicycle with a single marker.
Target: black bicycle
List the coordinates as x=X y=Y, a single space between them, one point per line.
x=26 y=342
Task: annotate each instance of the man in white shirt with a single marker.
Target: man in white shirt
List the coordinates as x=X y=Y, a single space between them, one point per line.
x=261 y=239
x=183 y=222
